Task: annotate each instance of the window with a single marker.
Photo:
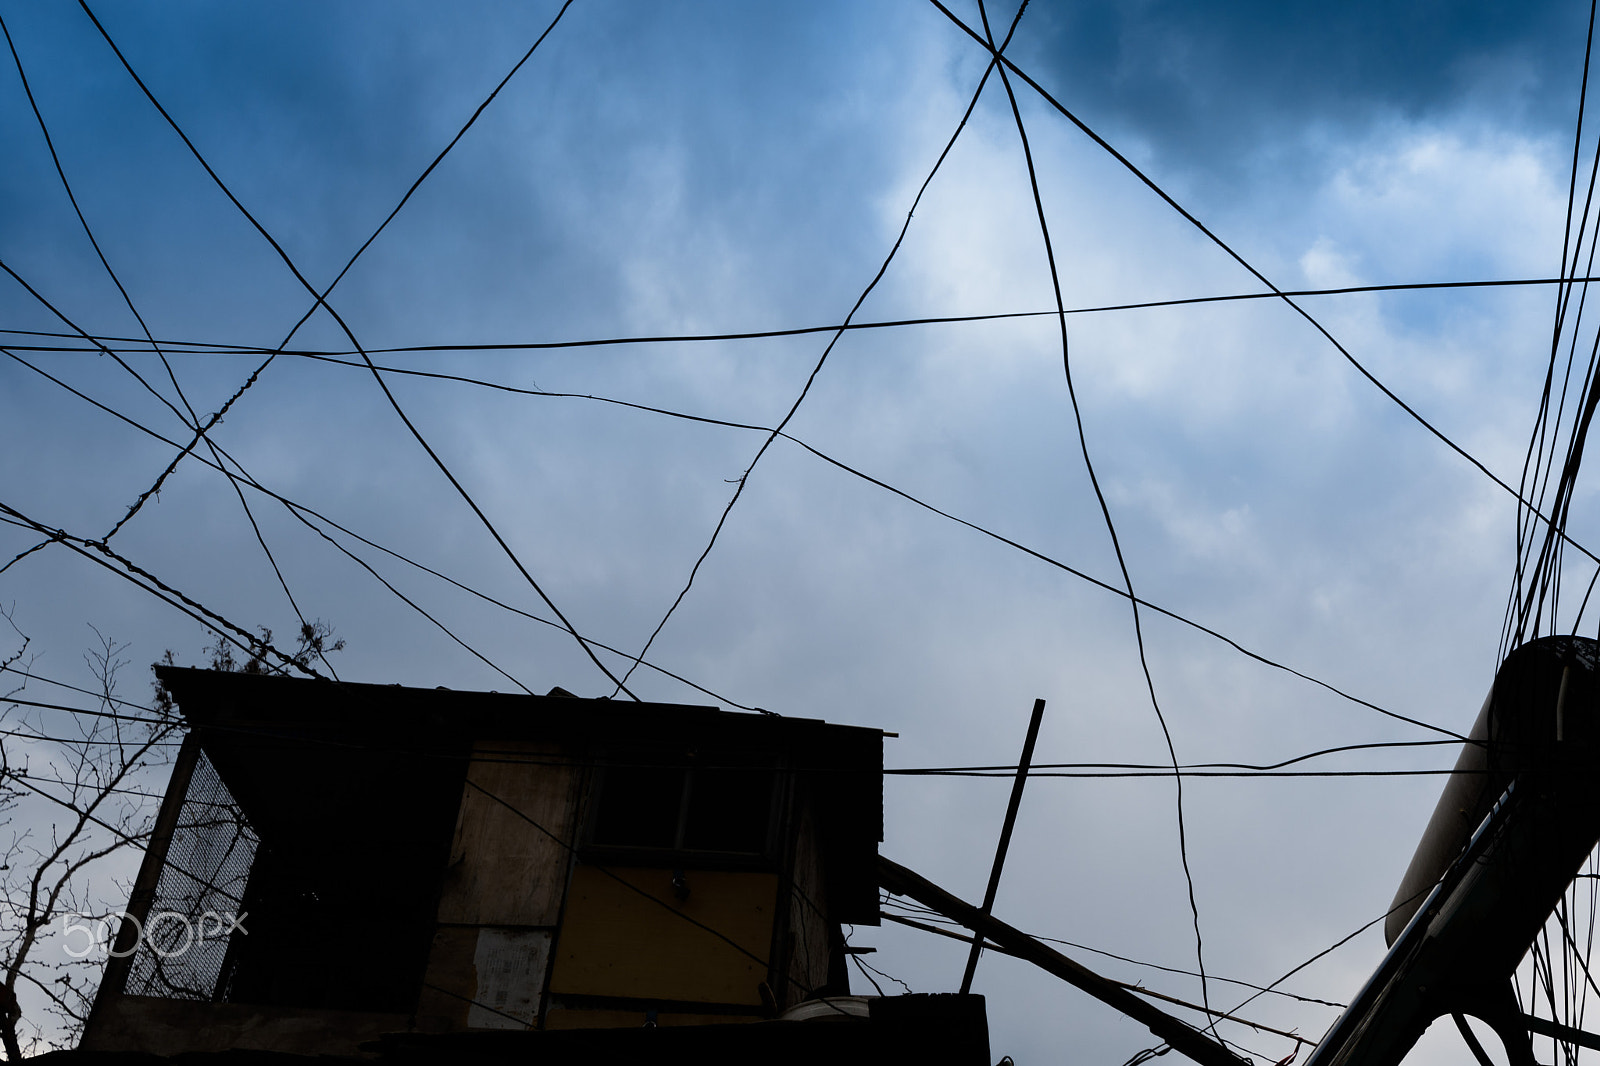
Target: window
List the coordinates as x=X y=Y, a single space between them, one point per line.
x=696 y=808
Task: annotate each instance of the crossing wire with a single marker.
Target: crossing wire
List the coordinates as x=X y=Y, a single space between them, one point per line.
x=191 y=420
x=1105 y=509
x=1277 y=293
x=300 y=511
x=1132 y=599
x=297 y=509
x=350 y=335
x=834 y=340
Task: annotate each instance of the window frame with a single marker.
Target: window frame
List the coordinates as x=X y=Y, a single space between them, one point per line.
x=678 y=857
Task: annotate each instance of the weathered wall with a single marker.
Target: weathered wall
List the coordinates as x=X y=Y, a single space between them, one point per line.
x=810 y=939
x=501 y=897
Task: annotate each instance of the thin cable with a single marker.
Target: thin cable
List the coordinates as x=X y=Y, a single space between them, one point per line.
x=221 y=348
x=102 y=555
x=1010 y=768
x=300 y=510
x=1166 y=772
x=935 y=510
x=1235 y=645
x=320 y=301
x=190 y=421
x=66 y=185
x=875 y=985
x=988 y=945
x=462 y=132
x=1105 y=510
x=1276 y=292
x=353 y=557
x=930 y=915
x=1336 y=945
x=1535 y=453
x=834 y=340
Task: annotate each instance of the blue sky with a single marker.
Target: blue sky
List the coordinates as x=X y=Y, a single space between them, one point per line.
x=703 y=168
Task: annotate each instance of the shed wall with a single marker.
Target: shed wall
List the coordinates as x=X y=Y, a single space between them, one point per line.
x=501 y=899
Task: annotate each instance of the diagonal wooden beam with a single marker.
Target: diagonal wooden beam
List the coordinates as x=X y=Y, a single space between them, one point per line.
x=1183 y=1037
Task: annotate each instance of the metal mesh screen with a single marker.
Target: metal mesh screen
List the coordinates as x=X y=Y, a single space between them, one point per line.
x=199 y=896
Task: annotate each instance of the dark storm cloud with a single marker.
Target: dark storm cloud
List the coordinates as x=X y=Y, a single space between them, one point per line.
x=1219 y=87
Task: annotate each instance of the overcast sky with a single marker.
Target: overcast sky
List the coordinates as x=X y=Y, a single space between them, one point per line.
x=708 y=168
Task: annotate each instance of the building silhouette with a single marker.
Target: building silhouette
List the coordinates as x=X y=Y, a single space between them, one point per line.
x=356 y=870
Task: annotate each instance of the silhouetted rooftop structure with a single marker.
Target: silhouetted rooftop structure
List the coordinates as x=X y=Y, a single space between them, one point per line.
x=421 y=874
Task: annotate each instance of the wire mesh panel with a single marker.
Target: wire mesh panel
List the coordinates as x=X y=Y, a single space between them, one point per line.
x=199 y=896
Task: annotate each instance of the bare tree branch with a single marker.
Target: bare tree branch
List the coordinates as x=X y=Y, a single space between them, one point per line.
x=50 y=843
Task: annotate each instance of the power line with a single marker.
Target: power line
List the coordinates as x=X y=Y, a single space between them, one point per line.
x=93 y=741
x=294 y=510
x=415 y=185
x=223 y=348
x=1182 y=771
x=115 y=716
x=1105 y=509
x=834 y=340
x=1008 y=768
x=935 y=510
x=1049 y=560
x=929 y=917
x=190 y=421
x=66 y=186
x=35 y=776
x=1280 y=294
x=1086 y=770
x=1330 y=949
x=979 y=942
x=111 y=699
x=1516 y=614
x=300 y=511
x=320 y=301
x=102 y=555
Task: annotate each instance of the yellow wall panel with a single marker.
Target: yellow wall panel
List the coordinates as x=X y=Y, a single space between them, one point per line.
x=618 y=940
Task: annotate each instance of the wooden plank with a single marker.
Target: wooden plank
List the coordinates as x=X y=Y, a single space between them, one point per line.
x=809 y=925
x=503 y=871
x=449 y=982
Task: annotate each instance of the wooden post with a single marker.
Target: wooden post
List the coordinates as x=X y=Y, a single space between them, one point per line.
x=1005 y=838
